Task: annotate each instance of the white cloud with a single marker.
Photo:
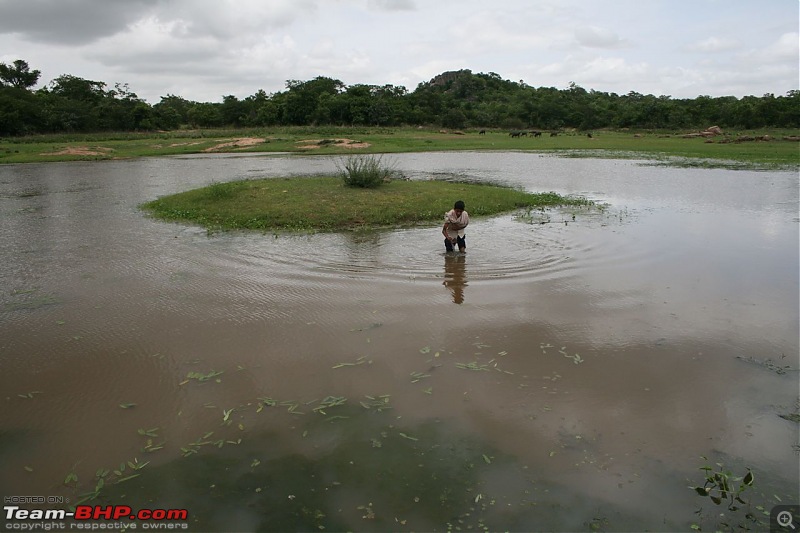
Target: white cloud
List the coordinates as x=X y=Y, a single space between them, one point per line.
x=392 y=5
x=594 y=37
x=714 y=44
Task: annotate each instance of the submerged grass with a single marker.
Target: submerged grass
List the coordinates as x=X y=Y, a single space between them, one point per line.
x=326 y=204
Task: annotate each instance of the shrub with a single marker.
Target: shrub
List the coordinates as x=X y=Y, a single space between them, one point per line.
x=367 y=171
x=220 y=190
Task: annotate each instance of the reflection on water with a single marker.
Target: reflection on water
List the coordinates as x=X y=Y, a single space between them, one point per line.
x=455 y=274
x=287 y=382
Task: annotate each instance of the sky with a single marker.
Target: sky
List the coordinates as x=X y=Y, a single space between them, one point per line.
x=203 y=50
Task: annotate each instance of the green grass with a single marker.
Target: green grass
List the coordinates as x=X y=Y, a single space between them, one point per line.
x=776 y=153
x=327 y=204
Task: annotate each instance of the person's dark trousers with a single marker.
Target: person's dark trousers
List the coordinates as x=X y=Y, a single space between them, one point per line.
x=460 y=241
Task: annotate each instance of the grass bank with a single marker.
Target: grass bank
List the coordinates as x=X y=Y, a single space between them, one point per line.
x=326 y=204
x=774 y=152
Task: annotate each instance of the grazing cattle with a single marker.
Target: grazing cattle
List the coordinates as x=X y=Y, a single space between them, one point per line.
x=553 y=134
x=589 y=135
x=482 y=132
x=537 y=133
x=514 y=134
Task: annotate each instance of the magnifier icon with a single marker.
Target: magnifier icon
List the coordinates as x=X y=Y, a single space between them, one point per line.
x=785 y=519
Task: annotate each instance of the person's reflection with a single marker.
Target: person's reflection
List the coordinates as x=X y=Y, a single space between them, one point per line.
x=455 y=275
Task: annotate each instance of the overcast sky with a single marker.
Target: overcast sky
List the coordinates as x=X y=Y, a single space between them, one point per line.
x=203 y=50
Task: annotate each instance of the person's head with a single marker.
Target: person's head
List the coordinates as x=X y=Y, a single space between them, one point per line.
x=459 y=207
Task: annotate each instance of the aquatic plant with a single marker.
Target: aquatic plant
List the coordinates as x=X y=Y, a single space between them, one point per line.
x=366 y=171
x=721 y=485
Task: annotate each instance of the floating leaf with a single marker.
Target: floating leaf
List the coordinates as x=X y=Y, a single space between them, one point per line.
x=486 y=459
x=127 y=405
x=204 y=377
x=28 y=468
x=748 y=478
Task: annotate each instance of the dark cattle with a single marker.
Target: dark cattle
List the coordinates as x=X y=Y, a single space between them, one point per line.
x=482 y=132
x=589 y=135
x=553 y=134
x=523 y=133
x=536 y=133
x=514 y=134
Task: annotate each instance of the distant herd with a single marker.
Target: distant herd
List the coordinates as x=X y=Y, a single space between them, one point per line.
x=533 y=133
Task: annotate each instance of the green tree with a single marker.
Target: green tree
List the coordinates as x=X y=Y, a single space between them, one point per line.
x=171 y=112
x=205 y=115
x=234 y=112
x=303 y=97
x=18 y=75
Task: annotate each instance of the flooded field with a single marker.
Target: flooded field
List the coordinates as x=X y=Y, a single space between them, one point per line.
x=569 y=373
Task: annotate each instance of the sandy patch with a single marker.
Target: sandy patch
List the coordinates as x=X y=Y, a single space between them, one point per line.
x=236 y=143
x=312 y=144
x=82 y=150
x=185 y=144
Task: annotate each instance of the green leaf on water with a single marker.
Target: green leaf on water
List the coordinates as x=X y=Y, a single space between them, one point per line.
x=426 y=349
x=28 y=468
x=486 y=459
x=748 y=478
x=127 y=405
x=408 y=437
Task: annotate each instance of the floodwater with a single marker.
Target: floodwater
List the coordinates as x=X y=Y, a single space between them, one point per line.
x=568 y=373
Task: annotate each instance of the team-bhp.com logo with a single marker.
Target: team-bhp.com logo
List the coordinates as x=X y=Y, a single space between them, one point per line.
x=156 y=518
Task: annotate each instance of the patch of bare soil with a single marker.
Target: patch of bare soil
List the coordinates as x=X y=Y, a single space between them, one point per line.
x=236 y=144
x=185 y=144
x=82 y=150
x=312 y=144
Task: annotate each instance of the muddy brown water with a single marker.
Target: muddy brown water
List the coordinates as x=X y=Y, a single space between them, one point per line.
x=566 y=374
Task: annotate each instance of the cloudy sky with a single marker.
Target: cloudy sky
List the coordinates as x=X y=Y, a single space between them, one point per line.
x=203 y=50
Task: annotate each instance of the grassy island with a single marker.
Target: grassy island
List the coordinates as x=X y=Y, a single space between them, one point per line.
x=325 y=203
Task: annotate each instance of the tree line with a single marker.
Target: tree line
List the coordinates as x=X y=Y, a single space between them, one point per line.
x=456 y=100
